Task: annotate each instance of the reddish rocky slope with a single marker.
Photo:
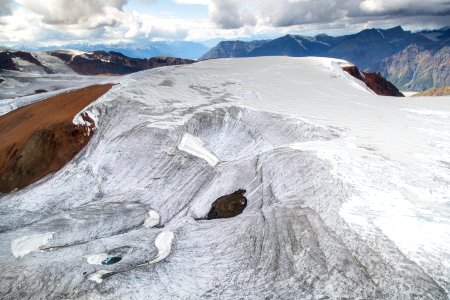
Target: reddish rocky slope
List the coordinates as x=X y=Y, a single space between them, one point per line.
x=40 y=138
x=374 y=81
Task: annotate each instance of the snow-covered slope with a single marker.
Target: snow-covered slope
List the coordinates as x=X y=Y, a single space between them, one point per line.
x=348 y=192
x=48 y=62
x=18 y=85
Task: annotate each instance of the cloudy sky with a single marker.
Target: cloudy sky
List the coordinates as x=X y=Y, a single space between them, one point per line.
x=64 y=21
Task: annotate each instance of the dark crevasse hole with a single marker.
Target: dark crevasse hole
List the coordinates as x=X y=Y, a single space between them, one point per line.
x=111 y=260
x=40 y=91
x=228 y=206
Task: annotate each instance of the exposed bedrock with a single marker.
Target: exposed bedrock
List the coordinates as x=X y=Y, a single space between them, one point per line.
x=46 y=151
x=374 y=81
x=7 y=60
x=39 y=139
x=228 y=206
x=288 y=243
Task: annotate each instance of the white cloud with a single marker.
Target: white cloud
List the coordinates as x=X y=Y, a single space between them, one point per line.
x=198 y=2
x=281 y=13
x=405 y=7
x=135 y=25
x=230 y=14
x=287 y=13
x=102 y=20
x=5 y=7
x=85 y=13
x=82 y=20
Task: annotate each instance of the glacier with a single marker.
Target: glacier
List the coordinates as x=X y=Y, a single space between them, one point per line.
x=348 y=192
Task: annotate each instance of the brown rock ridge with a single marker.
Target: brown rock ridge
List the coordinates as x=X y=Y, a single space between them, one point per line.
x=40 y=138
x=374 y=81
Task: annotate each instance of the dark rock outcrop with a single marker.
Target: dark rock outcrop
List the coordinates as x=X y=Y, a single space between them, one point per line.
x=377 y=83
x=228 y=206
x=7 y=62
x=355 y=72
x=374 y=81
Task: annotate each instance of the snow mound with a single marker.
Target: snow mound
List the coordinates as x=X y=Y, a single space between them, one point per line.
x=337 y=70
x=193 y=145
x=98 y=276
x=27 y=244
x=152 y=219
x=163 y=243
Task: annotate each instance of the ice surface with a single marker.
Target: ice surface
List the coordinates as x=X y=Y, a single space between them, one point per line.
x=426 y=112
x=98 y=276
x=348 y=192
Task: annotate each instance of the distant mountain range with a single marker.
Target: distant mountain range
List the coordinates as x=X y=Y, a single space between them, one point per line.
x=418 y=68
x=412 y=61
x=16 y=64
x=24 y=73
x=84 y=63
x=137 y=49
